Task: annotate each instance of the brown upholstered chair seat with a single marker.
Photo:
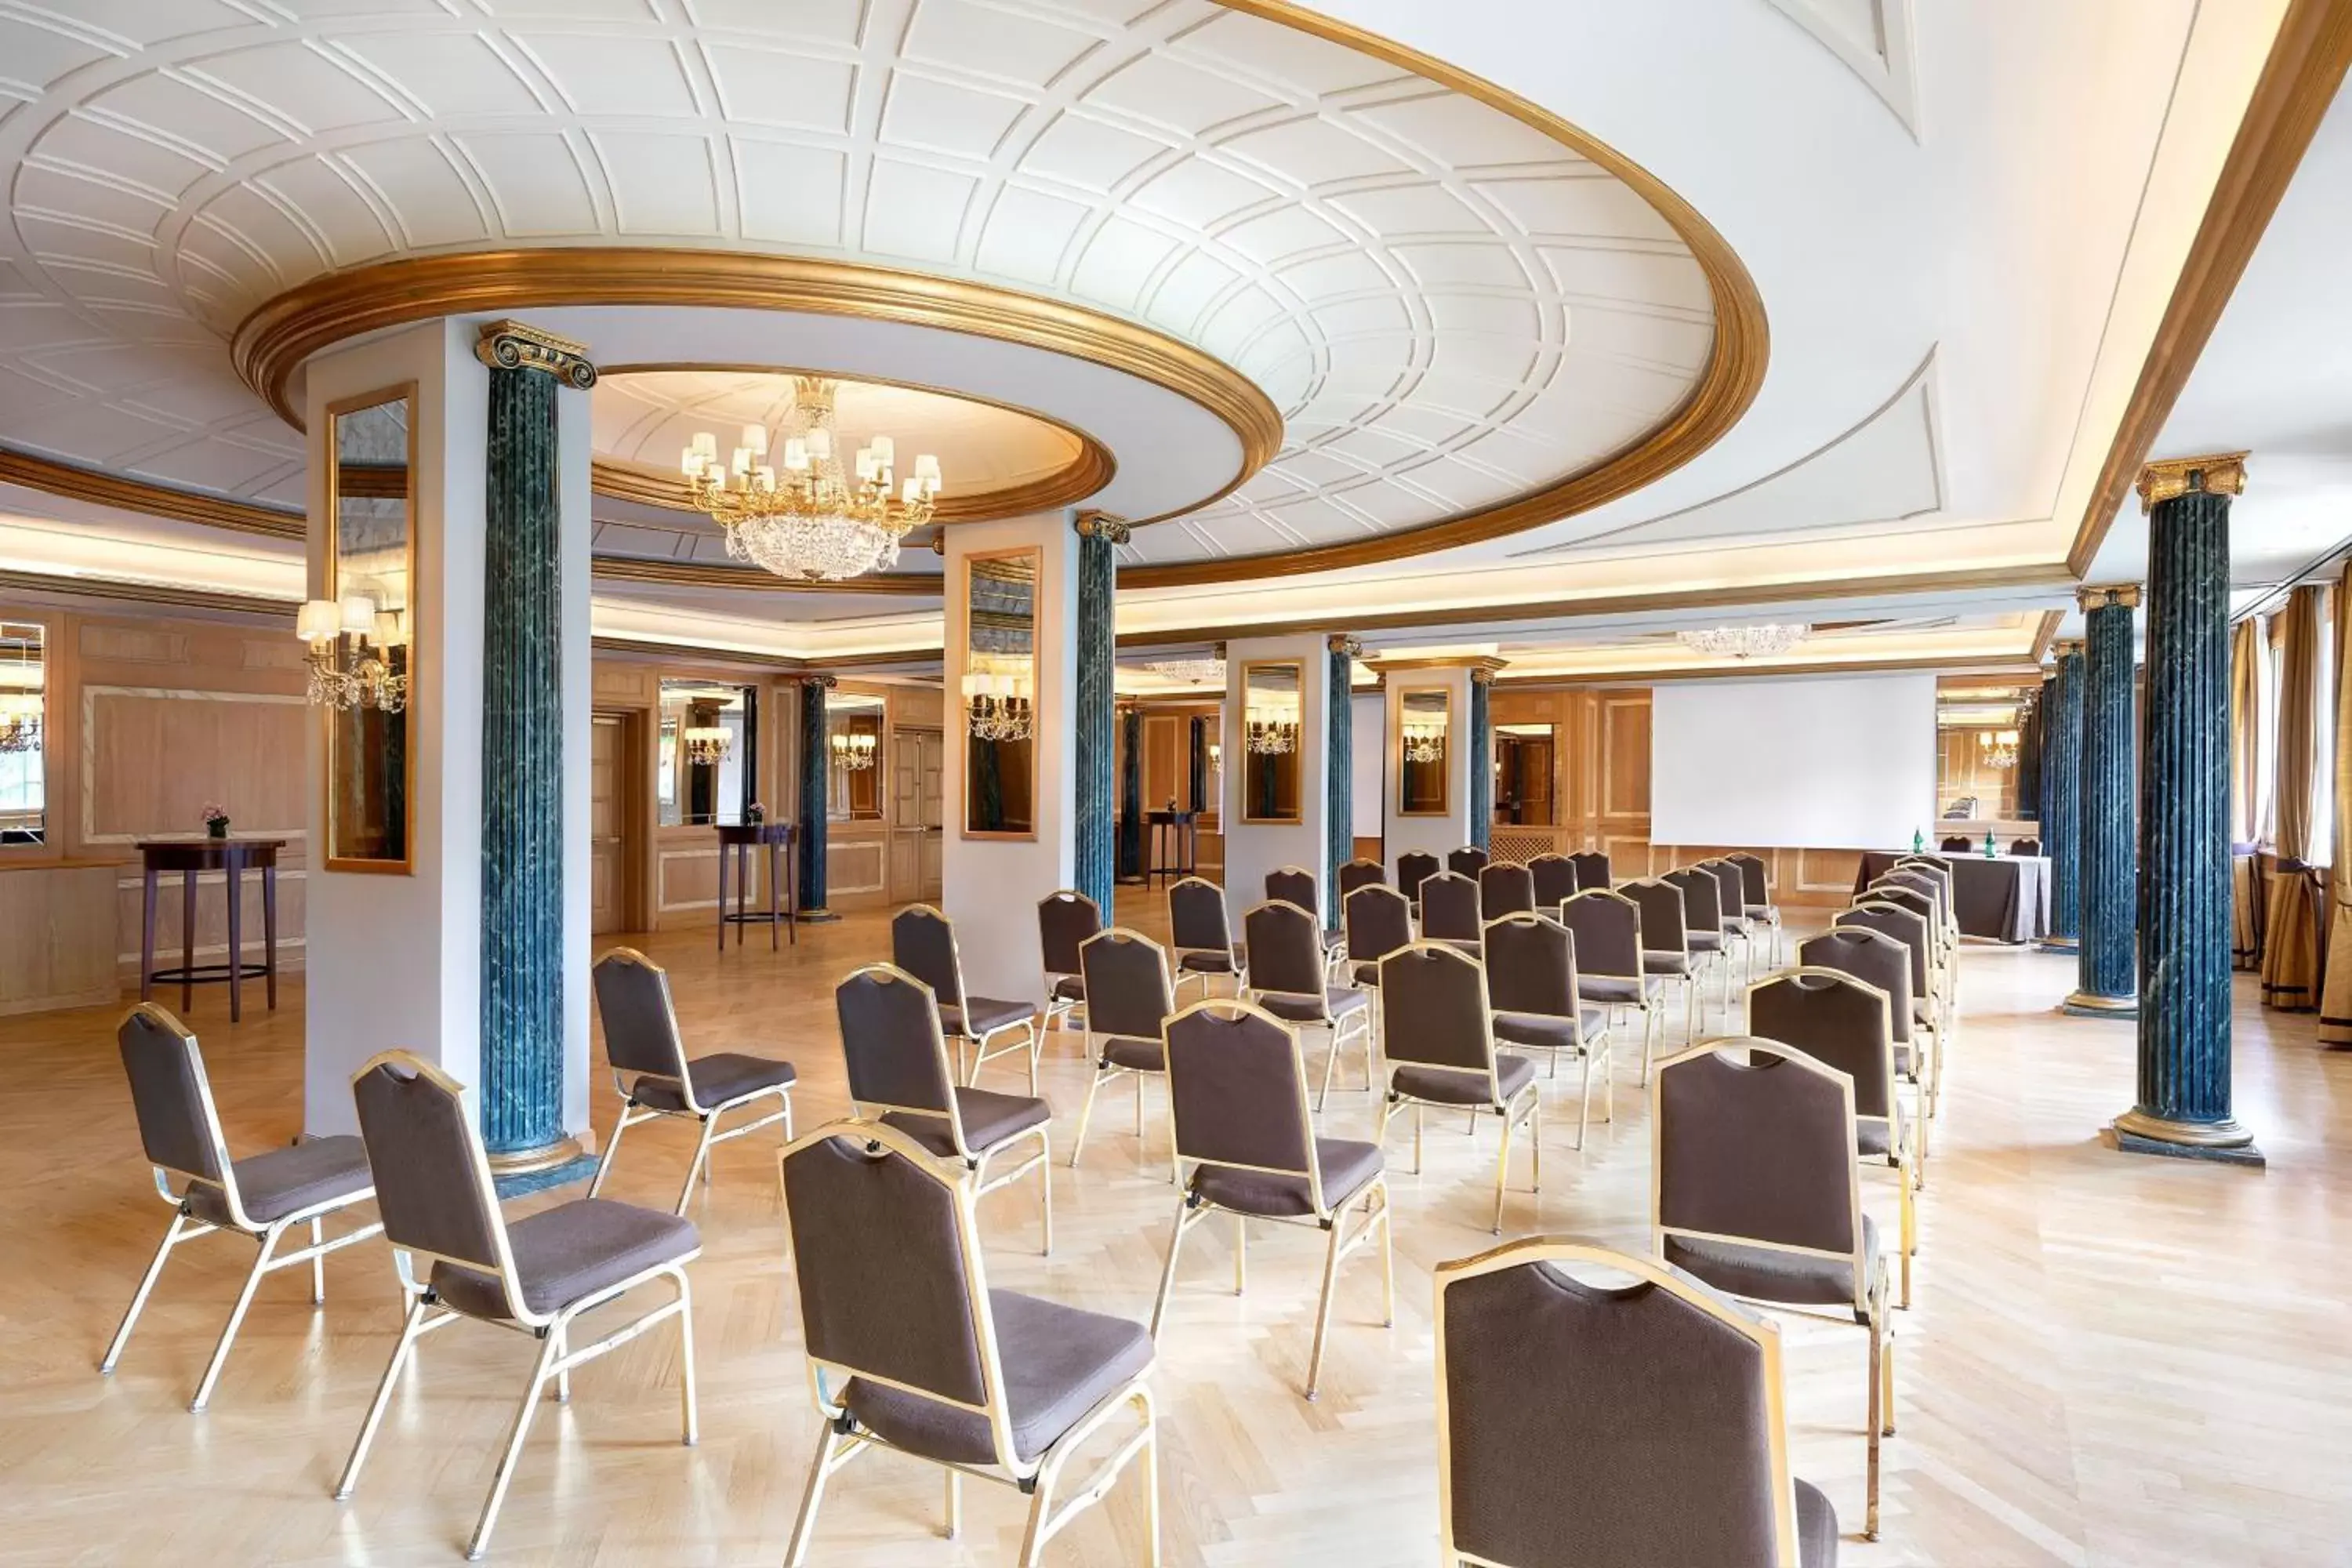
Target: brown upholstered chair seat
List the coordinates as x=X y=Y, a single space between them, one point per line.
x=1665 y=962
x=1546 y=1030
x=1367 y=973
x=1767 y=1274
x=1059 y=1362
x=1611 y=988
x=1338 y=1002
x=1069 y=989
x=285 y=1180
x=989 y=1119
x=1441 y=1087
x=983 y=1015
x=1817 y=1528
x=1207 y=963
x=569 y=1253
x=1137 y=1055
x=728 y=1075
x=1347 y=1166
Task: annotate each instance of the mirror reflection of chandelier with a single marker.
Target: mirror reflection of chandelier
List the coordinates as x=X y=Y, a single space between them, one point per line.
x=1272 y=725
x=853 y=752
x=20 y=723
x=708 y=744
x=355 y=649
x=1743 y=642
x=1424 y=739
x=1188 y=671
x=998 y=698
x=809 y=520
x=1997 y=749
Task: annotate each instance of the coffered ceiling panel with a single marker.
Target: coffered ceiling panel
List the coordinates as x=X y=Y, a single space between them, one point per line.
x=1451 y=307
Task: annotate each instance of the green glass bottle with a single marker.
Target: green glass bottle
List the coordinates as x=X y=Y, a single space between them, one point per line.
x=1990 y=853
x=1918 y=841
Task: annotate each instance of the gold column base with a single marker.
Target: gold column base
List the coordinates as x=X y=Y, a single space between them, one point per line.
x=546 y=1157
x=2091 y=1002
x=2060 y=944
x=2137 y=1132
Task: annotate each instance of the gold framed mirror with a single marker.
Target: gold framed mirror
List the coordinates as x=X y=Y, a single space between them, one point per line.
x=371 y=775
x=1000 y=693
x=1273 y=731
x=1424 y=751
x=1525 y=768
x=23 y=733
x=855 y=763
x=708 y=743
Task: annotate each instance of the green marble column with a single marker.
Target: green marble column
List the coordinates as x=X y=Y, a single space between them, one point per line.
x=2062 y=820
x=1130 y=796
x=1197 y=767
x=2042 y=706
x=816 y=796
x=2184 y=1090
x=520 y=1077
x=1097 y=707
x=1339 y=799
x=1482 y=761
x=2105 y=985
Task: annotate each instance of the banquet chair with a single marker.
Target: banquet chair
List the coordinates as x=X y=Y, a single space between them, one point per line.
x=1932 y=878
x=642 y=1040
x=1506 y=890
x=895 y=1050
x=1127 y=975
x=1666 y=953
x=1555 y=881
x=1065 y=918
x=1922 y=901
x=2025 y=846
x=1592 y=871
x=911 y=1350
x=1607 y=926
x=1378 y=921
x=1467 y=861
x=260 y=1197
x=1754 y=1190
x=1885 y=962
x=1731 y=905
x=1238 y=1085
x=535 y=1275
x=1531 y=985
x=1199 y=934
x=1295 y=885
x=1756 y=897
x=1849 y=1025
x=1288 y=978
x=1535 y=1360
x=1439 y=1038
x=1449 y=911
x=1907 y=927
x=923 y=944
x=1711 y=947
x=1954 y=844
x=1360 y=873
x=1416 y=867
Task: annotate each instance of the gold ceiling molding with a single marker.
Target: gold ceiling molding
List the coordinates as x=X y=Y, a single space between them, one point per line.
x=76 y=483
x=1975 y=667
x=2305 y=66
x=788 y=663
x=1088 y=471
x=137 y=591
x=667 y=573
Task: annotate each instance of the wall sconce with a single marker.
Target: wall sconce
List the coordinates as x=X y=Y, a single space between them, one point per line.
x=1424 y=741
x=708 y=744
x=853 y=752
x=1272 y=728
x=999 y=703
x=354 y=652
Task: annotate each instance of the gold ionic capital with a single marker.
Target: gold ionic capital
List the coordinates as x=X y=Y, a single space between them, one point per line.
x=1344 y=642
x=2065 y=645
x=2217 y=473
x=2125 y=595
x=517 y=345
x=1102 y=525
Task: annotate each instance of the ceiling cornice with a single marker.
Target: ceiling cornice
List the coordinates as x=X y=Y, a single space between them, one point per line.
x=76 y=483
x=1983 y=665
x=704 y=575
x=137 y=592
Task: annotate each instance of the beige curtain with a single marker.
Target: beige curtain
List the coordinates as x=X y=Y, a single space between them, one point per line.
x=2335 y=997
x=2290 y=932
x=2250 y=684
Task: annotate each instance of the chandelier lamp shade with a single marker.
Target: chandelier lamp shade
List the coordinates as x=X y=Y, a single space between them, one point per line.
x=1997 y=749
x=708 y=745
x=1424 y=739
x=1273 y=726
x=999 y=698
x=1766 y=641
x=853 y=752
x=358 y=653
x=789 y=506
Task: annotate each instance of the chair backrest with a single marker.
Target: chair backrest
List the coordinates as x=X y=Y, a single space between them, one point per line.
x=1449 y=907
x=1755 y=886
x=1607 y=926
x=1954 y=841
x=1754 y=1143
x=633 y=1001
x=1665 y=915
x=1467 y=861
x=1237 y=1084
x=1285 y=949
x=1872 y=957
x=1065 y=920
x=1832 y=1018
x=1555 y=879
x=1592 y=871
x=1434 y=1010
x=1360 y=874
x=1506 y=890
x=1907 y=882
x=1531 y=966
x=1730 y=895
x=1293 y=885
x=1416 y=867
x=433 y=1188
x=1129 y=992
x=887 y=1262
x=1665 y=1396
x=923 y=943
x=1701 y=897
x=178 y=1125
x=892 y=1041
x=1378 y=921
x=2025 y=846
x=1905 y=925
x=1196 y=916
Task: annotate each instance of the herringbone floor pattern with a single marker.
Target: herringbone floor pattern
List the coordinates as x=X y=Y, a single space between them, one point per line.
x=2112 y=1359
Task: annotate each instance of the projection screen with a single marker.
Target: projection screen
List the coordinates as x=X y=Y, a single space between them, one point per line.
x=1819 y=762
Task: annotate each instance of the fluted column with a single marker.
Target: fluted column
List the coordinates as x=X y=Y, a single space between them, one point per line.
x=2042 y=707
x=1482 y=760
x=816 y=794
x=1196 y=775
x=2062 y=788
x=1131 y=798
x=522 y=750
x=1339 y=817
x=1097 y=707
x=2107 y=976
x=2183 y=1105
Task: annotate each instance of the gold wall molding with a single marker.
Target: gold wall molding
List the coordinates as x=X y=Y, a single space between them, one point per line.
x=671 y=573
x=76 y=483
x=134 y=591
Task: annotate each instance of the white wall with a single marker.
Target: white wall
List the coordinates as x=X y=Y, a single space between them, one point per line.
x=1254 y=848
x=1368 y=779
x=1827 y=762
x=1434 y=834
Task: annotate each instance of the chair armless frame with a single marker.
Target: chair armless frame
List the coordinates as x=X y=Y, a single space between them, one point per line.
x=1356 y=1024
x=1526 y=1106
x=1654 y=1018
x=1058 y=1007
x=1105 y=1069
x=1178 y=951
x=1032 y=1040
x=1592 y=1049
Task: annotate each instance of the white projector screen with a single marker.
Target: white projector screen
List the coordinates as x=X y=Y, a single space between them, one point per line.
x=1817 y=762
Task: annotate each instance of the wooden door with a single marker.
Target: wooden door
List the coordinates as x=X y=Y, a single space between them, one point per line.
x=918 y=820
x=608 y=824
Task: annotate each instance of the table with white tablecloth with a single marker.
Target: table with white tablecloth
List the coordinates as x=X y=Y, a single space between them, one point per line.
x=2004 y=898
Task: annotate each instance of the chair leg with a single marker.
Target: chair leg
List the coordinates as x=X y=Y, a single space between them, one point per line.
x=820 y=1471
x=1877 y=1393
x=562 y=1374
x=1388 y=1255
x=1036 y=1048
x=1045 y=1188
x=954 y=1502
x=1241 y=1254
x=1330 y=1065
x=1323 y=1309
x=698 y=1166
x=317 y=1264
x=1085 y=1114
x=613 y=1147
x=1150 y=1483
x=1417 y=1119
x=1502 y=1163
x=408 y=1332
x=689 y=1417
x=139 y=1296
x=1041 y=1512
x=1167 y=1270
x=236 y=1320
x=504 y=1476
x=1584 y=1096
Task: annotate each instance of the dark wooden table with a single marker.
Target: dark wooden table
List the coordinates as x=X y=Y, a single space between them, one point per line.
x=1182 y=830
x=190 y=857
x=2005 y=897
x=736 y=843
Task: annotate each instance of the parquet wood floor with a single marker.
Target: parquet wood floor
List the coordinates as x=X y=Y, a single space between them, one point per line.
x=2112 y=1359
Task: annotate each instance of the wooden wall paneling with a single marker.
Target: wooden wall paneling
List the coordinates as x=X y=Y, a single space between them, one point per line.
x=57 y=937
x=153 y=756
x=1167 y=745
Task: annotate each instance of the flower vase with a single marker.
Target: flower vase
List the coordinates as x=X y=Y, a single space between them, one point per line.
x=217 y=828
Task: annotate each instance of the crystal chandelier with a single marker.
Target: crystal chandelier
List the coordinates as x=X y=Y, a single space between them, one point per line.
x=1424 y=741
x=1273 y=727
x=811 y=521
x=999 y=697
x=1997 y=750
x=706 y=745
x=1743 y=642
x=853 y=752
x=358 y=653
x=1188 y=671
x=20 y=723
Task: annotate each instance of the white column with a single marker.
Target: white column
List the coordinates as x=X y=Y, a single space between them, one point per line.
x=1436 y=835
x=1254 y=848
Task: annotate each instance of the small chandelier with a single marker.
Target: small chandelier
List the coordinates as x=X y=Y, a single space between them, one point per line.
x=708 y=745
x=853 y=752
x=356 y=655
x=1765 y=641
x=810 y=522
x=1424 y=741
x=999 y=698
x=1997 y=750
x=1188 y=671
x=20 y=723
x=1272 y=728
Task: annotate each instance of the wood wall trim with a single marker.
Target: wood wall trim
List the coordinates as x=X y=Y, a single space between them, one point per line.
x=76 y=483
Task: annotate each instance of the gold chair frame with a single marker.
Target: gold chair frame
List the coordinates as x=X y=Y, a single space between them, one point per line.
x=1035 y=1043
x=1105 y=1070
x=1584 y=1047
x=1526 y=1106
